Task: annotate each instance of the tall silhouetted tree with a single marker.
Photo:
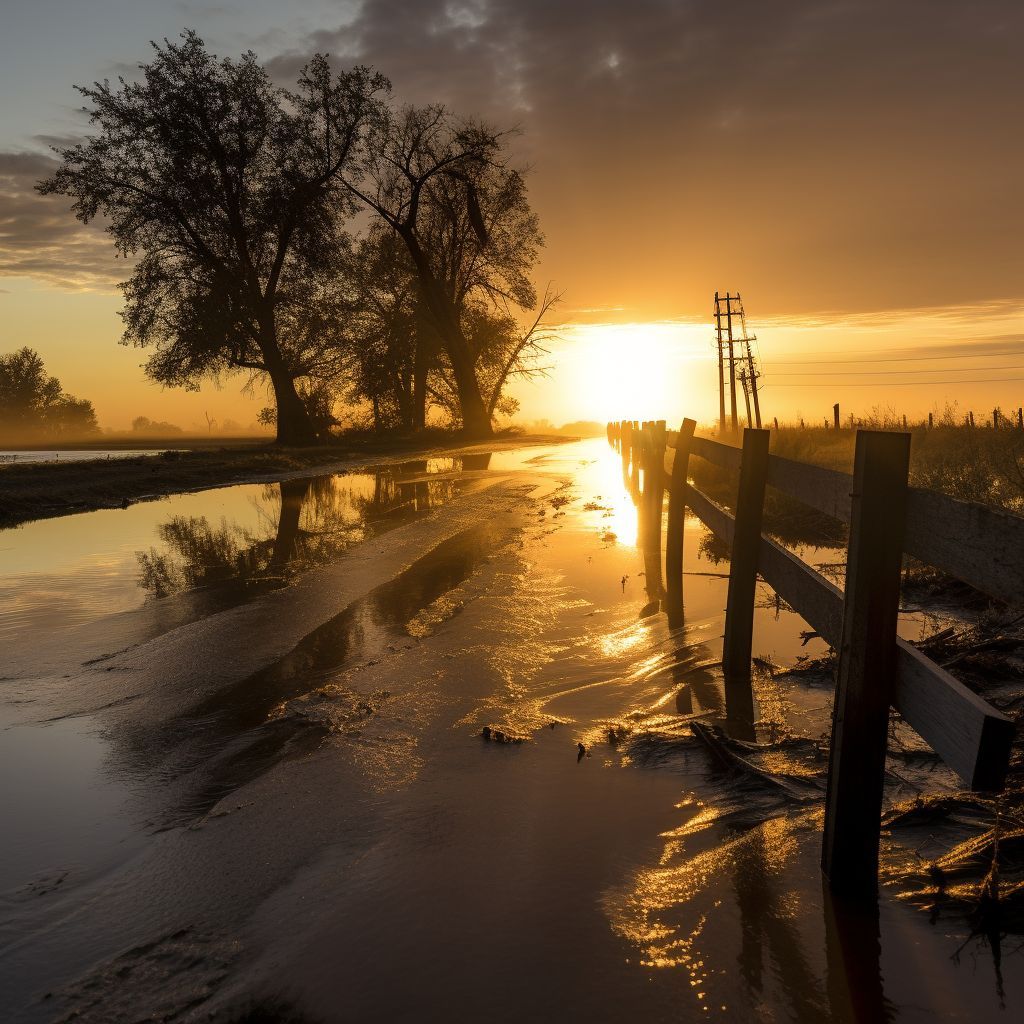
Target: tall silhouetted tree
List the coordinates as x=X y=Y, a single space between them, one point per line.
x=446 y=189
x=228 y=192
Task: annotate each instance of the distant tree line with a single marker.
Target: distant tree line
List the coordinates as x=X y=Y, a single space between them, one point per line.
x=34 y=406
x=321 y=238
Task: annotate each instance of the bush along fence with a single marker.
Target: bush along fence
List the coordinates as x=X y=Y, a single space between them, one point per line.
x=877 y=670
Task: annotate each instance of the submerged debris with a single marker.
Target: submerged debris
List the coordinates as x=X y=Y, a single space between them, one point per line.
x=720 y=746
x=493 y=735
x=333 y=707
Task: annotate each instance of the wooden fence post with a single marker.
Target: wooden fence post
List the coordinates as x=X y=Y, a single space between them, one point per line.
x=930 y=421
x=644 y=493
x=677 y=519
x=637 y=453
x=835 y=414
x=739 y=610
x=746 y=545
x=656 y=468
x=867 y=662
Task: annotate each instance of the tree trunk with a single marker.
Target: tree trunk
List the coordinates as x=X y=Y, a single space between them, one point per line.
x=294 y=426
x=424 y=354
x=476 y=421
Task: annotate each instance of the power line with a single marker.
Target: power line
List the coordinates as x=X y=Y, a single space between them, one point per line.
x=900 y=383
x=862 y=373
x=889 y=359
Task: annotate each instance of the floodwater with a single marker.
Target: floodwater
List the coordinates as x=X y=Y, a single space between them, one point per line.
x=244 y=776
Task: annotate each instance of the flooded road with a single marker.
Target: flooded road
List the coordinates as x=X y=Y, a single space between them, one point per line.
x=245 y=772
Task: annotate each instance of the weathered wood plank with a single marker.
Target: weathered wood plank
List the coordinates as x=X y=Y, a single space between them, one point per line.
x=970 y=735
x=715 y=518
x=675 y=482
x=867 y=670
x=980 y=545
x=826 y=490
x=818 y=601
x=724 y=455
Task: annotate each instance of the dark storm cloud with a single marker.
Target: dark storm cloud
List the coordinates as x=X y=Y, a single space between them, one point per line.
x=39 y=237
x=839 y=155
x=822 y=156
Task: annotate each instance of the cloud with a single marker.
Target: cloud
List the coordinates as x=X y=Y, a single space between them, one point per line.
x=819 y=155
x=830 y=155
x=40 y=237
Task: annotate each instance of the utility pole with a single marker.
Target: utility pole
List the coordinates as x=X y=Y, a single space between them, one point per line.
x=732 y=364
x=725 y=339
x=727 y=307
x=721 y=366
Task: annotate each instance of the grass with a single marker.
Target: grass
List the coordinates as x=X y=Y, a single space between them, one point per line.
x=971 y=463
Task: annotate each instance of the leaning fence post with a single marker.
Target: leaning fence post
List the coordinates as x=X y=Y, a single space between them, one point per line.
x=677 y=518
x=746 y=544
x=867 y=662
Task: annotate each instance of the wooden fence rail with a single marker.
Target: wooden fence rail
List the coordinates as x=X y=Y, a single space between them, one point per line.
x=977 y=544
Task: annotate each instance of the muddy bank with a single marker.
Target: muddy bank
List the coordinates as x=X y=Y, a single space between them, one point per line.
x=37 y=491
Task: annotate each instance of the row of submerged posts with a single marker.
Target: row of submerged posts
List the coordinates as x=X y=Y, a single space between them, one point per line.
x=877 y=670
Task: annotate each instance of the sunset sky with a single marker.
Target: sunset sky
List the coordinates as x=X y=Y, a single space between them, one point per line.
x=853 y=168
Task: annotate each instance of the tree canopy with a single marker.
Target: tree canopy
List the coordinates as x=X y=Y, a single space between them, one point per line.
x=33 y=405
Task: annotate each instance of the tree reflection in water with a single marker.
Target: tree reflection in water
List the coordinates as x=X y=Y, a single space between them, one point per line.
x=306 y=522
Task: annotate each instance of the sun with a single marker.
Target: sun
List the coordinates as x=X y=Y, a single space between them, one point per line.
x=642 y=370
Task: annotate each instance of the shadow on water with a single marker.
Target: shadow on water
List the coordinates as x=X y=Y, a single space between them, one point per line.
x=235 y=735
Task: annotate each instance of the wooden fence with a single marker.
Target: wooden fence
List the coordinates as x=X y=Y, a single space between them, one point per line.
x=982 y=546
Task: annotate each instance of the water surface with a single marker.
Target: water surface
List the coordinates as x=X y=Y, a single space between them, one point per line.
x=329 y=836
